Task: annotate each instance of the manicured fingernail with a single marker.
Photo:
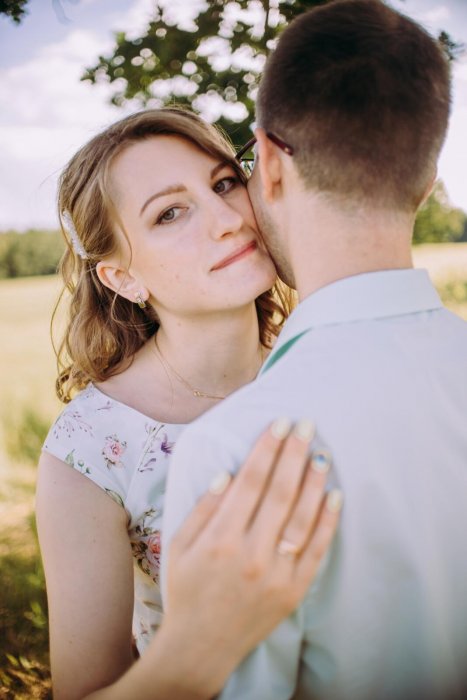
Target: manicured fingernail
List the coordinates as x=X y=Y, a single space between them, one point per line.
x=305 y=430
x=220 y=482
x=281 y=428
x=321 y=461
x=334 y=501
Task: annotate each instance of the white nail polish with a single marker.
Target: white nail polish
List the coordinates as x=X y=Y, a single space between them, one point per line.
x=305 y=430
x=335 y=500
x=281 y=428
x=219 y=484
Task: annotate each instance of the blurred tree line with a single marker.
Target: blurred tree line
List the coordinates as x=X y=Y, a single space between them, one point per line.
x=37 y=252
x=31 y=253
x=438 y=222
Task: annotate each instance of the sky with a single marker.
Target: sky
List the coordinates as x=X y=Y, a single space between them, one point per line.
x=47 y=113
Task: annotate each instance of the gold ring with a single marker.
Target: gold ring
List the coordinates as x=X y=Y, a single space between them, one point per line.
x=287 y=549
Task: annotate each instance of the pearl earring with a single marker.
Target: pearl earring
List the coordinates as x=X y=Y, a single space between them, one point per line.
x=140 y=301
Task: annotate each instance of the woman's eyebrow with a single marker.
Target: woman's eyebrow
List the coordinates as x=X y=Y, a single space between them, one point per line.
x=171 y=189
x=220 y=166
x=167 y=190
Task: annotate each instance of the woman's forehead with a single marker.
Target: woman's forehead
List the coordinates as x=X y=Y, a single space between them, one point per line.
x=169 y=150
x=156 y=163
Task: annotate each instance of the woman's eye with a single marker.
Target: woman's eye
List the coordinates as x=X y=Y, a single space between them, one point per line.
x=169 y=215
x=226 y=184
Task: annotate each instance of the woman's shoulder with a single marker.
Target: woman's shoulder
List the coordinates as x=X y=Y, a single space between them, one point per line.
x=77 y=417
x=105 y=439
x=88 y=414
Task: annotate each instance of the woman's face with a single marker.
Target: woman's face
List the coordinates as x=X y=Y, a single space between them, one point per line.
x=193 y=235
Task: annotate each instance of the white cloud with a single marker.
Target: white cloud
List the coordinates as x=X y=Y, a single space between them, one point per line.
x=86 y=3
x=454 y=157
x=47 y=89
x=436 y=15
x=32 y=158
x=460 y=82
x=46 y=114
x=135 y=20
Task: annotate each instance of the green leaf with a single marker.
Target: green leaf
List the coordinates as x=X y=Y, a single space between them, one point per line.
x=116 y=497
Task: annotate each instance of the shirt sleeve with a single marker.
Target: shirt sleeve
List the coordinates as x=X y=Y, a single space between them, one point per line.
x=270 y=671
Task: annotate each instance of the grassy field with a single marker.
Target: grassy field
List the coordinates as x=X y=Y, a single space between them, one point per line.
x=28 y=405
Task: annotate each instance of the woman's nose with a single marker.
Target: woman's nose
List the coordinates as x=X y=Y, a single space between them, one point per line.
x=225 y=219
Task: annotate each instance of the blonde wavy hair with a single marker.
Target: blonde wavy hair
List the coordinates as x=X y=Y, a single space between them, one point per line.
x=103 y=329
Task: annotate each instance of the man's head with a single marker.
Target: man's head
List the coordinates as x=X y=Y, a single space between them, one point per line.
x=362 y=95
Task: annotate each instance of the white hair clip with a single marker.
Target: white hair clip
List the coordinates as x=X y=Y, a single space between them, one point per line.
x=71 y=231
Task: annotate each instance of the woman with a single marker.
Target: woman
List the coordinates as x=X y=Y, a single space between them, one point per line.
x=172 y=308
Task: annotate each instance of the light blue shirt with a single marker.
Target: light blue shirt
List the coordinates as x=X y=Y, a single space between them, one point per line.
x=382 y=371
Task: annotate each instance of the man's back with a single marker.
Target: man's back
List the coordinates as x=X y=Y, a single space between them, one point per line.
x=383 y=373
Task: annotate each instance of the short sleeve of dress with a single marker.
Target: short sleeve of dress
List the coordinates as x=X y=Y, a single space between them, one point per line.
x=94 y=436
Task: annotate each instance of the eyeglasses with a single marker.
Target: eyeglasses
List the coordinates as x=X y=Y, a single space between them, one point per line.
x=248 y=161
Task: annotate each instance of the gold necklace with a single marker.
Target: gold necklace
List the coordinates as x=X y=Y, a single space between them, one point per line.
x=196 y=392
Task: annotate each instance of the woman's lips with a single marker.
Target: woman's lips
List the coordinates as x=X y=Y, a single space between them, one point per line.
x=237 y=255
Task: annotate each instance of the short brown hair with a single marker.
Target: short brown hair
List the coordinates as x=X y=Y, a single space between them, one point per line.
x=104 y=330
x=362 y=93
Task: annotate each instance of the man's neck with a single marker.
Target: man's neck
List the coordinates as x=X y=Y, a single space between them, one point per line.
x=340 y=244
x=328 y=271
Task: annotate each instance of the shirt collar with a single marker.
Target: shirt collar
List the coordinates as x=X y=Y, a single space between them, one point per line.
x=363 y=297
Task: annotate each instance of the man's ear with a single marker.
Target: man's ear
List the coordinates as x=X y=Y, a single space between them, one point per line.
x=121 y=281
x=269 y=165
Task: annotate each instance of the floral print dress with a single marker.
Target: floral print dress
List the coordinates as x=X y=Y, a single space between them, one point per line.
x=126 y=454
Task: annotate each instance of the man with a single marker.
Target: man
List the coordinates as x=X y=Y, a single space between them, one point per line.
x=352 y=112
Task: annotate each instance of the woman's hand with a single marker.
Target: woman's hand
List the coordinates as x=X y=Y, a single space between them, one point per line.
x=245 y=556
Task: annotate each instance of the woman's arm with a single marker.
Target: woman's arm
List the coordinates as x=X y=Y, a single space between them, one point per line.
x=228 y=586
x=89 y=576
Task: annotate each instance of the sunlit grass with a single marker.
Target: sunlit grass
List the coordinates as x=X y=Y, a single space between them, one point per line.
x=27 y=367
x=28 y=405
x=24 y=666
